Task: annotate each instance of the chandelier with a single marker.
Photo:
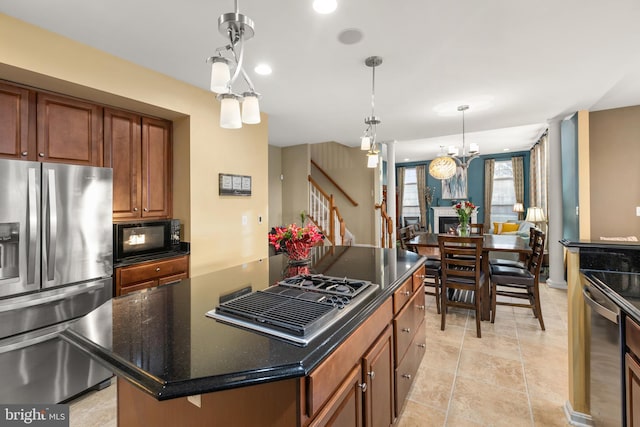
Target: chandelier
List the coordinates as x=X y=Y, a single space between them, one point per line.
x=444 y=166
x=368 y=140
x=237 y=28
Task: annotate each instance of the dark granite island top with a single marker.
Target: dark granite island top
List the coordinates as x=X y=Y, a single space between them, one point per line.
x=163 y=343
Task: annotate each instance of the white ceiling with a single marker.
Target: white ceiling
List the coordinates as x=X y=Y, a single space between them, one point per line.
x=533 y=61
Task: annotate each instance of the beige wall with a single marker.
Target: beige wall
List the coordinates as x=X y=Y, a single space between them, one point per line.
x=295 y=186
x=275 y=186
x=202 y=150
x=347 y=167
x=614 y=152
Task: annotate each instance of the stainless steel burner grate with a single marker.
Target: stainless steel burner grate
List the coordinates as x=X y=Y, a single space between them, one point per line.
x=295 y=316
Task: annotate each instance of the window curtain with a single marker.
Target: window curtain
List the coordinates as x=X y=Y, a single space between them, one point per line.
x=539 y=175
x=400 y=191
x=422 y=184
x=517 y=165
x=489 y=166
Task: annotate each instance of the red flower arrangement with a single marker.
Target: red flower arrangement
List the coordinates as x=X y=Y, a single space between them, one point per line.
x=296 y=241
x=464 y=210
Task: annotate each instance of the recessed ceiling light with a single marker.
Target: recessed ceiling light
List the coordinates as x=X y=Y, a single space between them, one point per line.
x=506 y=149
x=262 y=69
x=406 y=160
x=325 y=6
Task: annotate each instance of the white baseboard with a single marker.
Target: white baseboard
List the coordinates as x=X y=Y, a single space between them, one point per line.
x=575 y=418
x=557 y=284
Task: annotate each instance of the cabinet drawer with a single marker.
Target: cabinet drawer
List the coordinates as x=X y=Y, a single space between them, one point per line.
x=138 y=287
x=402 y=295
x=407 y=323
x=408 y=367
x=153 y=270
x=633 y=336
x=418 y=278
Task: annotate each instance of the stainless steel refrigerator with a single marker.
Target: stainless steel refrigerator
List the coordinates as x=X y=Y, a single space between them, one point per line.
x=55 y=266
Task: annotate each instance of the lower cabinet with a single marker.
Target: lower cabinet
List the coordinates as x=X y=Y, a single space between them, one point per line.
x=632 y=373
x=150 y=274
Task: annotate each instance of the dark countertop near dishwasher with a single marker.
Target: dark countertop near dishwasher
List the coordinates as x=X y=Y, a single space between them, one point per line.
x=163 y=343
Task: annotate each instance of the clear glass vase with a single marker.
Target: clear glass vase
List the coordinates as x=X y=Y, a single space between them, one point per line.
x=463 y=229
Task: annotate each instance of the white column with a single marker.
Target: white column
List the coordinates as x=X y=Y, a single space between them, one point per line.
x=391 y=187
x=556 y=251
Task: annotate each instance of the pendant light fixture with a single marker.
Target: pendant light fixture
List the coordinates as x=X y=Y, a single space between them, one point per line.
x=237 y=28
x=444 y=166
x=368 y=140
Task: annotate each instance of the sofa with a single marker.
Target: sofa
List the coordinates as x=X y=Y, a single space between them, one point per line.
x=517 y=227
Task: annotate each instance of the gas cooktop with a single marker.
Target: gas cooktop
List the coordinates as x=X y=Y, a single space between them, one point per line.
x=296 y=309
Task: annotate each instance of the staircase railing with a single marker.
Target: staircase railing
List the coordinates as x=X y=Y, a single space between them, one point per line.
x=335 y=184
x=386 y=235
x=325 y=214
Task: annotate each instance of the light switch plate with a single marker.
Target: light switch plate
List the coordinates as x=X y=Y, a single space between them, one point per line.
x=637 y=210
x=245 y=220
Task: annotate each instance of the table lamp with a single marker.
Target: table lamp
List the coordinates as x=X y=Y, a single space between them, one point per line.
x=535 y=215
x=518 y=207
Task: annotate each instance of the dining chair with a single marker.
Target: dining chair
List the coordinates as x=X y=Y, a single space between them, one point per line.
x=461 y=273
x=476 y=228
x=519 y=283
x=512 y=262
x=431 y=279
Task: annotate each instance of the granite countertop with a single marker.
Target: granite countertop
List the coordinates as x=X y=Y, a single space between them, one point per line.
x=163 y=343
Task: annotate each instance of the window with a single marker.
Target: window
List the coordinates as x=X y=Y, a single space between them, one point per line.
x=504 y=193
x=410 y=206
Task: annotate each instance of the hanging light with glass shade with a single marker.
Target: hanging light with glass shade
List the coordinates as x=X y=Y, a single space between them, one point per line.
x=445 y=165
x=237 y=28
x=368 y=139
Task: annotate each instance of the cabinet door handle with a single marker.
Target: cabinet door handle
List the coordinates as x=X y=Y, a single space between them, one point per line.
x=41 y=154
x=421 y=276
x=146 y=210
x=157 y=268
x=372 y=374
x=363 y=386
x=407 y=330
x=420 y=307
x=135 y=209
x=24 y=154
x=407 y=376
x=422 y=345
x=407 y=293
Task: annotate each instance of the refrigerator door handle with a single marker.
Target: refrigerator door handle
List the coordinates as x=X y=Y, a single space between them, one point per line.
x=43 y=298
x=32 y=226
x=52 y=229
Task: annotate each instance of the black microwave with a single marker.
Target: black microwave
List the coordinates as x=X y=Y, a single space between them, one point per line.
x=133 y=239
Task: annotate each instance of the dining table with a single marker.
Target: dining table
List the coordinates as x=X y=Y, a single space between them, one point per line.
x=512 y=243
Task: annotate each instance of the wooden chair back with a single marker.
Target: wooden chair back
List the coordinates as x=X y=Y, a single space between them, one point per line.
x=476 y=228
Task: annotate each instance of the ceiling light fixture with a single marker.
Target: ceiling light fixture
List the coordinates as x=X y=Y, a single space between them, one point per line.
x=238 y=28
x=368 y=140
x=444 y=167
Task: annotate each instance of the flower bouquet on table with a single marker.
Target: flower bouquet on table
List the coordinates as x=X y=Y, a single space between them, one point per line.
x=294 y=240
x=464 y=210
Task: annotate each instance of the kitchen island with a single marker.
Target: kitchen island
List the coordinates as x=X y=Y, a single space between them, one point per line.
x=176 y=366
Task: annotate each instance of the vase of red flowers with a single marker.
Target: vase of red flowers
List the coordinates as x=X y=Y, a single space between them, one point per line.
x=295 y=241
x=464 y=210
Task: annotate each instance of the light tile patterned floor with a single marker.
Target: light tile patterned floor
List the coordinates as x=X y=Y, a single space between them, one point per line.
x=515 y=375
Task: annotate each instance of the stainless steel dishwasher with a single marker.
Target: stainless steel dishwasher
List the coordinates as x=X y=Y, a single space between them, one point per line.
x=607 y=404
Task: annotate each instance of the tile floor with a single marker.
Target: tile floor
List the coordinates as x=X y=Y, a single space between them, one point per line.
x=515 y=375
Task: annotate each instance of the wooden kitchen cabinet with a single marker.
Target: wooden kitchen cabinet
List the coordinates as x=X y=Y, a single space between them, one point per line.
x=150 y=274
x=17 y=123
x=378 y=376
x=344 y=408
x=140 y=151
x=68 y=131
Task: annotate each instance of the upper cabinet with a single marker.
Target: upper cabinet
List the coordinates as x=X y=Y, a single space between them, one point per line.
x=69 y=131
x=43 y=127
x=17 y=137
x=139 y=149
